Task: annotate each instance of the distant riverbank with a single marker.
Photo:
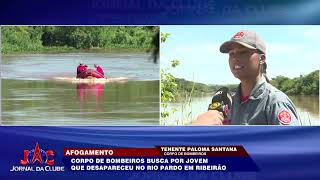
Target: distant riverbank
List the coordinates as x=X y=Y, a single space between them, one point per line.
x=59 y=49
x=304 y=85
x=60 y=39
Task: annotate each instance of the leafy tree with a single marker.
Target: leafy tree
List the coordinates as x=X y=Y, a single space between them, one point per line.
x=303 y=85
x=37 y=38
x=168 y=86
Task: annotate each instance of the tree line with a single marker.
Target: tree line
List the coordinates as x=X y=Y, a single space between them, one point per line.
x=185 y=86
x=39 y=38
x=303 y=85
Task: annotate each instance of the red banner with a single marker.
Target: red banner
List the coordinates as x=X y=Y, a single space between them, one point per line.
x=160 y=151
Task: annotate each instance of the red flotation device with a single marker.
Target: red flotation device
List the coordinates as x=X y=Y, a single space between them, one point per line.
x=90 y=73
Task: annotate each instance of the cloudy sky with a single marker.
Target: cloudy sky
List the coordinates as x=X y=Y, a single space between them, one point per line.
x=291 y=51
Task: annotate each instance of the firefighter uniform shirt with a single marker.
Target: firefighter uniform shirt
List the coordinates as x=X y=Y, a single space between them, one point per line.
x=266 y=105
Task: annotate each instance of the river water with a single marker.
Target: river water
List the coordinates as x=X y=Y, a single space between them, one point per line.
x=32 y=96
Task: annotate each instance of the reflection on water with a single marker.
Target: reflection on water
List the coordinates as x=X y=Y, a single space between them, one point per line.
x=307 y=107
x=87 y=91
x=27 y=102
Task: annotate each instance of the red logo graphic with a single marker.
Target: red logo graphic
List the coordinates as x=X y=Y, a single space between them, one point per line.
x=239 y=35
x=284 y=117
x=37 y=154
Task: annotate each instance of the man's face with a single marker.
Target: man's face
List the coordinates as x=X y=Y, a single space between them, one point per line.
x=244 y=62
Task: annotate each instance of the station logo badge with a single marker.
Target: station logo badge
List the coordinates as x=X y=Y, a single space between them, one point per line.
x=37 y=160
x=37 y=155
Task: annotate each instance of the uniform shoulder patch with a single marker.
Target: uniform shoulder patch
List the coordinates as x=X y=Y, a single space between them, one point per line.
x=284 y=117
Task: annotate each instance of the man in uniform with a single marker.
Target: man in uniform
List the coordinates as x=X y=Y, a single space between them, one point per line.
x=256 y=102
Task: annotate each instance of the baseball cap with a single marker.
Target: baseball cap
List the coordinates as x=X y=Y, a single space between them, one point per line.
x=249 y=39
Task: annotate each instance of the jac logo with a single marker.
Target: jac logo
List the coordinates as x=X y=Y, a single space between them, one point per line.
x=37 y=155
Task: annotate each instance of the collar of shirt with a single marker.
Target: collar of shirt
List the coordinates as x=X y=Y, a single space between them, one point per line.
x=256 y=92
x=244 y=98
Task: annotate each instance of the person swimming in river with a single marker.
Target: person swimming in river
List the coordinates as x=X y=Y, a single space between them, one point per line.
x=83 y=72
x=81 y=68
x=99 y=69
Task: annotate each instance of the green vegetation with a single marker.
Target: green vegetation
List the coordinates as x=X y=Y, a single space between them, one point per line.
x=185 y=87
x=168 y=91
x=303 y=85
x=168 y=85
x=25 y=39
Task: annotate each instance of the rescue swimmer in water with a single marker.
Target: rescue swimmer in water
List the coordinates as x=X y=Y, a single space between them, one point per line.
x=90 y=76
x=83 y=72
